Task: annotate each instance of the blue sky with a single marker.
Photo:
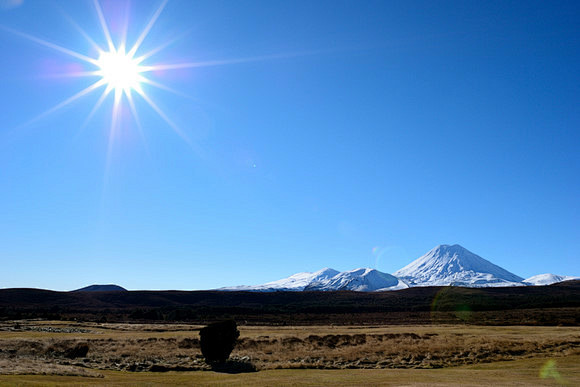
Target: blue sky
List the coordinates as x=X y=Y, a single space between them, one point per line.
x=336 y=134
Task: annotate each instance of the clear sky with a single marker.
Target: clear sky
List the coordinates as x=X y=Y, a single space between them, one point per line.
x=293 y=135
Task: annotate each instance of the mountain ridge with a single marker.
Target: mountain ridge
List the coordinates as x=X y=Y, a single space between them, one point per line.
x=361 y=280
x=296 y=282
x=444 y=265
x=548 y=279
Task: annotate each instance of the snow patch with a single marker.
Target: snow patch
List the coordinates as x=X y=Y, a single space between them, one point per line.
x=548 y=279
x=360 y=280
x=296 y=282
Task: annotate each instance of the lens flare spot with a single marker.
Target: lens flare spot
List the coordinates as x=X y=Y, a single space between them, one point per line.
x=463 y=312
x=549 y=371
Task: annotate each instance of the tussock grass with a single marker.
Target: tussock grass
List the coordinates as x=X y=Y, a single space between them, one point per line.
x=425 y=347
x=38 y=366
x=129 y=347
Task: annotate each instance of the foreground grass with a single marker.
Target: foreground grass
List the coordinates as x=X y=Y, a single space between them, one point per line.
x=32 y=353
x=542 y=372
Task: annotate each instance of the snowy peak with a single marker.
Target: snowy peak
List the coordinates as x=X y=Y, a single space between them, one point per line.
x=360 y=280
x=300 y=280
x=443 y=265
x=548 y=279
x=455 y=265
x=296 y=282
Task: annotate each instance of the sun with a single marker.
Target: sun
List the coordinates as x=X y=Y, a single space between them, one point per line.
x=123 y=71
x=119 y=71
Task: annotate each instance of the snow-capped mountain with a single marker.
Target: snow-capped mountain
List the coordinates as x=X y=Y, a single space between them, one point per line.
x=454 y=265
x=296 y=282
x=442 y=266
x=548 y=279
x=360 y=280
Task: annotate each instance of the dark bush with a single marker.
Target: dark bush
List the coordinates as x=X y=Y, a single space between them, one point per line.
x=217 y=340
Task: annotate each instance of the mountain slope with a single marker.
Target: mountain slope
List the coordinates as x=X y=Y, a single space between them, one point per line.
x=360 y=280
x=543 y=305
x=548 y=279
x=455 y=265
x=296 y=282
x=101 y=288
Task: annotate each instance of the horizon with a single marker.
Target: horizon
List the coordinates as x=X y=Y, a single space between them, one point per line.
x=324 y=269
x=242 y=143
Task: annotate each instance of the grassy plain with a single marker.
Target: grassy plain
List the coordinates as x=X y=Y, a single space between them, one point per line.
x=35 y=353
x=528 y=372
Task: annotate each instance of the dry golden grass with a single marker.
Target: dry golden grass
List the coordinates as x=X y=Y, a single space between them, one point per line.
x=401 y=347
x=34 y=347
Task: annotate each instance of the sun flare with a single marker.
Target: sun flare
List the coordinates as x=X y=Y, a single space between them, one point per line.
x=120 y=71
x=124 y=72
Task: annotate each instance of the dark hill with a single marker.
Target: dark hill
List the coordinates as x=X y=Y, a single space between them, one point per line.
x=545 y=305
x=101 y=288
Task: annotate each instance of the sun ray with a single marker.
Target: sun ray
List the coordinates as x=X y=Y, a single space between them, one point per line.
x=164 y=116
x=223 y=62
x=133 y=109
x=76 y=74
x=161 y=86
x=93 y=111
x=148 y=27
x=96 y=46
x=50 y=45
x=130 y=100
x=66 y=102
x=123 y=39
x=113 y=131
x=210 y=63
x=157 y=49
x=104 y=25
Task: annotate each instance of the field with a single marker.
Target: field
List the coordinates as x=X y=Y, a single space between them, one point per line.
x=433 y=335
x=33 y=351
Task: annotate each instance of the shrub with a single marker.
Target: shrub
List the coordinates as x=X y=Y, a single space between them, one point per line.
x=217 y=340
